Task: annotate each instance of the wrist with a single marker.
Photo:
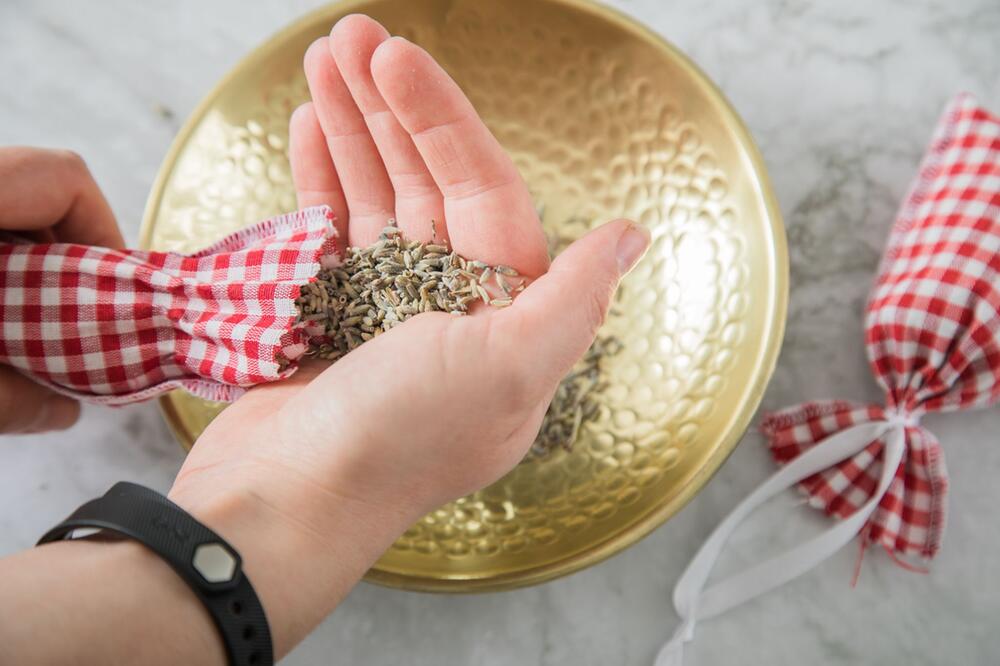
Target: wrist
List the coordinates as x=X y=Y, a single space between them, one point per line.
x=303 y=548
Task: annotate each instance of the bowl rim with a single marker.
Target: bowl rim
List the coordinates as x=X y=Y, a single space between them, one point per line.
x=774 y=320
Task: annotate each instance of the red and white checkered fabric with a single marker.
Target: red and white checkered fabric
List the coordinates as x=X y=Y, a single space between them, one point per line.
x=118 y=326
x=932 y=336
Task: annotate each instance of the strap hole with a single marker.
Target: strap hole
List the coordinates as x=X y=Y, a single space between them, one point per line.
x=248 y=632
x=254 y=658
x=236 y=608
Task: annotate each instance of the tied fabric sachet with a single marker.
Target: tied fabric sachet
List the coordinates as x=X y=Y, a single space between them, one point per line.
x=933 y=343
x=119 y=326
x=932 y=336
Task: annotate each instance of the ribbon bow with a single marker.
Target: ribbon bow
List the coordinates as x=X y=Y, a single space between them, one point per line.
x=933 y=343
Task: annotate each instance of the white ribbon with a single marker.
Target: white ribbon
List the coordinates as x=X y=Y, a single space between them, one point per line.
x=694 y=603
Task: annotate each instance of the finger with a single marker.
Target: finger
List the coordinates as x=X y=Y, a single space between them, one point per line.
x=367 y=189
x=27 y=407
x=489 y=212
x=418 y=199
x=313 y=172
x=578 y=287
x=54 y=188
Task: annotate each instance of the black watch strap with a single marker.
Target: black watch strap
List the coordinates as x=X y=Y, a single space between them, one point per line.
x=209 y=565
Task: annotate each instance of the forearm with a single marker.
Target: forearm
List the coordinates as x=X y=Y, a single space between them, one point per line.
x=115 y=602
x=93 y=602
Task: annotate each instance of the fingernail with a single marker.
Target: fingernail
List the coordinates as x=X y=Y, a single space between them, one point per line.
x=631 y=246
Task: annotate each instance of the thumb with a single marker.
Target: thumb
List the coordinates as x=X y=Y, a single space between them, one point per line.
x=27 y=407
x=559 y=314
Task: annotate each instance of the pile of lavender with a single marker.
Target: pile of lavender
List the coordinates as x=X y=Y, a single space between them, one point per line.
x=380 y=286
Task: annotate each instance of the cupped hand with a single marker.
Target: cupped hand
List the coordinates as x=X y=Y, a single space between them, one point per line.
x=441 y=405
x=47 y=196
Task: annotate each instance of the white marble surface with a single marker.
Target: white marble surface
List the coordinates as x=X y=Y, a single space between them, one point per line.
x=841 y=98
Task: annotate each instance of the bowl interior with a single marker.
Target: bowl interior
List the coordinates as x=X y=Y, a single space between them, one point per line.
x=604 y=120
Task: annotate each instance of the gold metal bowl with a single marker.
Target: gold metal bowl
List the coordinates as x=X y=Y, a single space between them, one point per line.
x=605 y=120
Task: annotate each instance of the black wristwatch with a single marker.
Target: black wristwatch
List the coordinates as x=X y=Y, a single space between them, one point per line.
x=209 y=565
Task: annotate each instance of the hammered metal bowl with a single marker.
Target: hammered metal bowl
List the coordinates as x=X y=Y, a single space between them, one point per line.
x=605 y=120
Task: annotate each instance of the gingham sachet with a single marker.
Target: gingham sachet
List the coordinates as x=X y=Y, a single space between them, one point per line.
x=933 y=342
x=118 y=326
x=932 y=333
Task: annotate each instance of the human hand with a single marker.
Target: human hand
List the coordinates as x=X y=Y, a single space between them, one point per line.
x=47 y=196
x=441 y=405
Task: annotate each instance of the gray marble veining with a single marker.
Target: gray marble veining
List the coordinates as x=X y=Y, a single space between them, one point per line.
x=841 y=98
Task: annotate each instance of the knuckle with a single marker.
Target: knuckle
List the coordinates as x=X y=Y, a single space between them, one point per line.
x=18 y=155
x=73 y=160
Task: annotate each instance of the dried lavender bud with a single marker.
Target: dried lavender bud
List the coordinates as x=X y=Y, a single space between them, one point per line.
x=381 y=286
x=575 y=403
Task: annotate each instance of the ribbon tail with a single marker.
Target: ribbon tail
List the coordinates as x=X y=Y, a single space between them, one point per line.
x=694 y=603
x=672 y=653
